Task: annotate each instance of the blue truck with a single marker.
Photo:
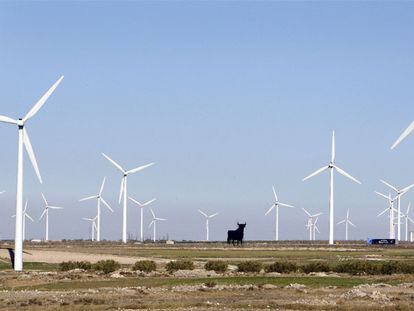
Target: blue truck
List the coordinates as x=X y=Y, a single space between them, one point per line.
x=381 y=241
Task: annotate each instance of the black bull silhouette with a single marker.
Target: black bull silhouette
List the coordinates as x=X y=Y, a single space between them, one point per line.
x=236 y=235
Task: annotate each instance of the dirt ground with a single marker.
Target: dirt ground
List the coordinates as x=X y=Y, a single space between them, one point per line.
x=200 y=289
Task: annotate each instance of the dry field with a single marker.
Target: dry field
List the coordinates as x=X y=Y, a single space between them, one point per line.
x=43 y=287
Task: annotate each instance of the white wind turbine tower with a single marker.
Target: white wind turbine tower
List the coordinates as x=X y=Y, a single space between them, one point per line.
x=141 y=206
x=25 y=215
x=124 y=191
x=24 y=141
x=93 y=225
x=347 y=222
x=407 y=218
x=276 y=204
x=400 y=192
x=46 y=212
x=208 y=217
x=309 y=227
x=100 y=200
x=154 y=223
x=331 y=167
x=391 y=210
x=311 y=223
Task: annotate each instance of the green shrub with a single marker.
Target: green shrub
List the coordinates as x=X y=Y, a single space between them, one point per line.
x=282 y=267
x=71 y=265
x=406 y=268
x=316 y=267
x=179 y=265
x=357 y=267
x=250 y=266
x=145 y=266
x=216 y=265
x=106 y=266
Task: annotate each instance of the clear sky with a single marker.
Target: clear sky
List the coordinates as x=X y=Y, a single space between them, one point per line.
x=227 y=98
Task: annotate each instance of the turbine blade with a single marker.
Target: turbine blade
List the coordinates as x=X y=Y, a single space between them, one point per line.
x=383 y=212
x=28 y=216
x=318 y=214
x=102 y=186
x=152 y=212
x=317 y=229
x=42 y=100
x=135 y=201
x=408 y=208
x=406 y=189
x=151 y=223
x=88 y=219
x=135 y=170
x=149 y=202
x=55 y=207
x=316 y=173
x=44 y=198
x=350 y=222
x=162 y=219
x=106 y=204
x=114 y=163
x=41 y=216
x=407 y=132
x=89 y=198
x=316 y=220
x=31 y=154
x=286 y=205
x=387 y=184
x=342 y=172
x=25 y=207
x=214 y=215
x=383 y=195
x=202 y=213
x=270 y=209
x=307 y=213
x=333 y=147
x=274 y=192
x=8 y=120
x=341 y=222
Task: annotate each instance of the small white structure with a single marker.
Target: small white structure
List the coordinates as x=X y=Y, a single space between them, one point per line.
x=411 y=236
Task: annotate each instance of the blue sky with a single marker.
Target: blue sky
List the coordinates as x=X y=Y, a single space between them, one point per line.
x=227 y=98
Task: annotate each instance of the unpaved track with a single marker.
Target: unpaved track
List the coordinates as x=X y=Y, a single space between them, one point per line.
x=50 y=256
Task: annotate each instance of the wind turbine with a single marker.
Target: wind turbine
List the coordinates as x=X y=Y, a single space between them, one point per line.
x=407 y=218
x=25 y=215
x=347 y=222
x=124 y=191
x=276 y=204
x=141 y=206
x=331 y=167
x=154 y=223
x=391 y=209
x=400 y=192
x=24 y=140
x=98 y=215
x=208 y=217
x=311 y=223
x=46 y=211
x=93 y=225
x=407 y=132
